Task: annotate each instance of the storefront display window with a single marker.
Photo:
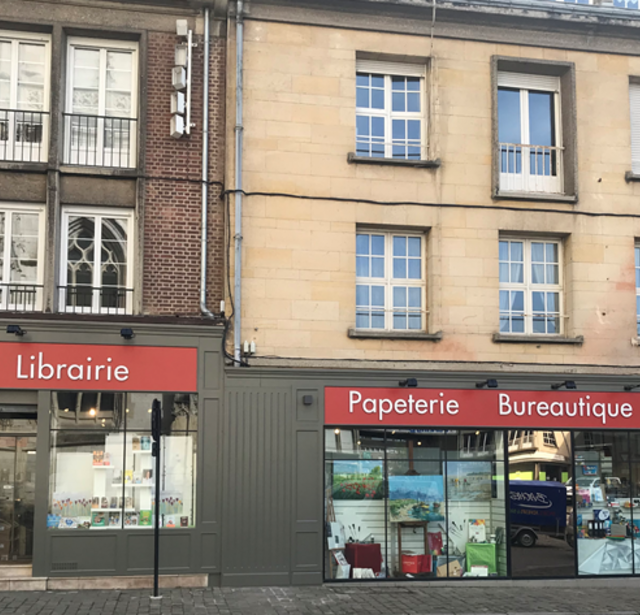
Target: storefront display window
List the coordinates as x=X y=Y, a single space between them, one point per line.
x=102 y=469
x=414 y=503
x=605 y=505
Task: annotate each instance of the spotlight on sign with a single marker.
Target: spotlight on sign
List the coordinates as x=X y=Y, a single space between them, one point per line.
x=408 y=382
x=567 y=384
x=16 y=330
x=630 y=387
x=491 y=383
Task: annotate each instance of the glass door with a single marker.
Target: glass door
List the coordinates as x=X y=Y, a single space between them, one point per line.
x=541 y=503
x=17 y=485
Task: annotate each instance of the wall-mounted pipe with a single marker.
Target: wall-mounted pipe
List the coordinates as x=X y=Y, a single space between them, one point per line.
x=205 y=170
x=237 y=298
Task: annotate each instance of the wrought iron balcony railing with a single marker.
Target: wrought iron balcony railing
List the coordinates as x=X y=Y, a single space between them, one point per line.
x=99 y=141
x=24 y=135
x=17 y=297
x=79 y=299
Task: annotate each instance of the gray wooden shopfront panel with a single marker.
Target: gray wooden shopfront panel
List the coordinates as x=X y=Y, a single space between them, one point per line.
x=272 y=485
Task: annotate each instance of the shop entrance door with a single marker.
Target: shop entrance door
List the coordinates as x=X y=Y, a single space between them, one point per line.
x=541 y=504
x=17 y=487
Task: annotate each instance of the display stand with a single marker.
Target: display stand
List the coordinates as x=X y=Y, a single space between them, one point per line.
x=481 y=554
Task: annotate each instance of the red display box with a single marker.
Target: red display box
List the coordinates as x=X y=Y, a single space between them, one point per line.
x=415 y=564
x=363 y=556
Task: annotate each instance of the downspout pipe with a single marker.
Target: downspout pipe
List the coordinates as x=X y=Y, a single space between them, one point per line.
x=237 y=298
x=205 y=170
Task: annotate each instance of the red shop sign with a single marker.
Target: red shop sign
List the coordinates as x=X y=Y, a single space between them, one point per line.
x=97 y=368
x=474 y=408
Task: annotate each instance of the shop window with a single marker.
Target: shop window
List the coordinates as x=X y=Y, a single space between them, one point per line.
x=390 y=104
x=21 y=258
x=101 y=106
x=606 y=503
x=102 y=470
x=414 y=504
x=390 y=281
x=96 y=274
x=531 y=287
x=24 y=96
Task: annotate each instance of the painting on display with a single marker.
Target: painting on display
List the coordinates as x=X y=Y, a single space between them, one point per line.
x=468 y=481
x=416 y=498
x=357 y=480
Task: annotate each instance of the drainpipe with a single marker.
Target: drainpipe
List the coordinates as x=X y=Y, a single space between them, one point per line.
x=238 y=186
x=205 y=171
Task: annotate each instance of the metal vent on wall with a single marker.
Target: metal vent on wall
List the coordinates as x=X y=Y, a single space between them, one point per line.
x=64 y=566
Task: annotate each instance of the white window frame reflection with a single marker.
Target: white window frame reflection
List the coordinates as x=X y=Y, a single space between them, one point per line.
x=24 y=124
x=527 y=167
x=516 y=280
x=388 y=146
x=98 y=152
x=384 y=316
x=97 y=215
x=12 y=298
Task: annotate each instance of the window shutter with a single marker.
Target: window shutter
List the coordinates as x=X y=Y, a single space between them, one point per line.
x=528 y=81
x=390 y=68
x=634 y=104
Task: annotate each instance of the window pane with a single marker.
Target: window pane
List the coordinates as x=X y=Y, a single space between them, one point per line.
x=399 y=246
x=509 y=116
x=414 y=269
x=537 y=274
x=415 y=297
x=517 y=272
x=377 y=245
x=413 y=102
x=414 y=246
x=377 y=99
x=517 y=251
x=517 y=301
x=362 y=295
x=377 y=267
x=537 y=251
x=377 y=296
x=362 y=244
x=362 y=97
x=399 y=297
x=362 y=266
x=551 y=252
x=503 y=250
x=398 y=101
x=399 y=268
x=541 y=118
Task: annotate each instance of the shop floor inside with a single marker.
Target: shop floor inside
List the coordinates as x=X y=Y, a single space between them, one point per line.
x=611 y=596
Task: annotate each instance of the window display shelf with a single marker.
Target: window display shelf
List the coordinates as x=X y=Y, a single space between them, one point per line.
x=113 y=509
x=104 y=467
x=147 y=451
x=137 y=485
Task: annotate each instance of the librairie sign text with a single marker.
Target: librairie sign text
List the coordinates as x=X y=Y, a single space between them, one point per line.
x=481 y=408
x=97 y=367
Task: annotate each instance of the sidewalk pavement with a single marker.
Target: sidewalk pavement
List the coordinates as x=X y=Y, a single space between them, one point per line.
x=379 y=599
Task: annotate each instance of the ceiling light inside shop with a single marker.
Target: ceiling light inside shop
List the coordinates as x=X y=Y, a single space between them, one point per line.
x=92 y=412
x=66 y=409
x=336 y=431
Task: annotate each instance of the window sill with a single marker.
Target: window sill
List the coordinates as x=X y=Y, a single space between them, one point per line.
x=32 y=166
x=398 y=162
x=103 y=171
x=360 y=334
x=500 y=338
x=536 y=196
x=630 y=176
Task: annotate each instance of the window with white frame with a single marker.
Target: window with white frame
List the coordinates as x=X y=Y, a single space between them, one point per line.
x=531 y=286
x=21 y=257
x=24 y=96
x=96 y=262
x=634 y=107
x=102 y=103
x=637 y=267
x=549 y=439
x=530 y=152
x=390 y=281
x=390 y=103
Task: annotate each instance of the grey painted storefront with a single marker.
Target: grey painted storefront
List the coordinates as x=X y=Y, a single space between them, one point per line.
x=259 y=489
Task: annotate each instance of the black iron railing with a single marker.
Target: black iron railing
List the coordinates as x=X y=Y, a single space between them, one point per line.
x=99 y=141
x=23 y=135
x=16 y=297
x=95 y=300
